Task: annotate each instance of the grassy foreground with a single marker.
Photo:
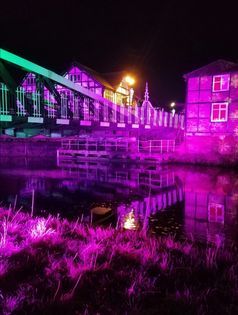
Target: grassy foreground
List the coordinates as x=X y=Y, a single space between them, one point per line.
x=53 y=266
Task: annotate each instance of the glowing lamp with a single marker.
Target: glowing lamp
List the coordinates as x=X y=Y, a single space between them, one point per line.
x=172 y=104
x=129 y=80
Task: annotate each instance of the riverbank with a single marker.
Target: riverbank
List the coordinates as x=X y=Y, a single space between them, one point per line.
x=35 y=147
x=187 y=152
x=54 y=266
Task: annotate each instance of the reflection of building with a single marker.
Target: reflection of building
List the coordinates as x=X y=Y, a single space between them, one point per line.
x=209 y=204
x=216 y=212
x=205 y=206
x=203 y=211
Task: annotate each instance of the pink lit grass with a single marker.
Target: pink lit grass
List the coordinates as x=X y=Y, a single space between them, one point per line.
x=54 y=266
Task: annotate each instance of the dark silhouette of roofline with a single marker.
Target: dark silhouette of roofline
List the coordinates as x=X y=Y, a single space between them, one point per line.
x=217 y=67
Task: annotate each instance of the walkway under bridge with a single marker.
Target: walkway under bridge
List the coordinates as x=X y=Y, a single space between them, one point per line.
x=100 y=149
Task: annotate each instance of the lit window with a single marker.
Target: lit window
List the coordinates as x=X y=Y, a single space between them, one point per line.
x=221 y=83
x=219 y=112
x=109 y=95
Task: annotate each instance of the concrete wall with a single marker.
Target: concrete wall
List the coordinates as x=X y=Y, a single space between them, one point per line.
x=209 y=150
x=28 y=148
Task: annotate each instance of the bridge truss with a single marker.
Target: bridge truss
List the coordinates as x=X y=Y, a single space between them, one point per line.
x=79 y=105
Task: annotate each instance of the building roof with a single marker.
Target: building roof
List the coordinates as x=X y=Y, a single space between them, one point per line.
x=98 y=77
x=216 y=67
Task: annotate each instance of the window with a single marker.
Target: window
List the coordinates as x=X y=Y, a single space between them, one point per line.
x=118 y=99
x=219 y=112
x=74 y=77
x=221 y=83
x=30 y=80
x=109 y=95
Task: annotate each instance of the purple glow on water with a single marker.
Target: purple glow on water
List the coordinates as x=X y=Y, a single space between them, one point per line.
x=183 y=201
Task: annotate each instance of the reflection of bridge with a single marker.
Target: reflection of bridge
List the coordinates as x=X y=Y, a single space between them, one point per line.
x=154 y=189
x=152 y=204
x=140 y=177
x=79 y=106
x=149 y=186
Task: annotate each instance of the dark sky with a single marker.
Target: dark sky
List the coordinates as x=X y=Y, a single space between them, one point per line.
x=157 y=40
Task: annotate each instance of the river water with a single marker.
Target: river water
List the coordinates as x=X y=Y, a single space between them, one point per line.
x=185 y=201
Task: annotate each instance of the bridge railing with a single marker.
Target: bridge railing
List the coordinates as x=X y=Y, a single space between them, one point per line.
x=4 y=110
x=162 y=146
x=156 y=146
x=87 y=112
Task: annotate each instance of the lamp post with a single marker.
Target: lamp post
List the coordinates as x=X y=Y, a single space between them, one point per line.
x=172 y=105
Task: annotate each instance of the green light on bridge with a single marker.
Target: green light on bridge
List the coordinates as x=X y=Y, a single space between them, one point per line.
x=34 y=68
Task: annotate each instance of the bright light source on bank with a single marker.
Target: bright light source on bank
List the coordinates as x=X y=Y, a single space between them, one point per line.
x=172 y=104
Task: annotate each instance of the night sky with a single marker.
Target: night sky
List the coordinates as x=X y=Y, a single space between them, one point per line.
x=158 y=41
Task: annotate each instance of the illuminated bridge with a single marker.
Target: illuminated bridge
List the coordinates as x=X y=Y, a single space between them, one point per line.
x=59 y=102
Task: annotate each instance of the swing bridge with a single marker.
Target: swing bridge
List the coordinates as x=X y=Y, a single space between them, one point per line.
x=80 y=109
x=84 y=107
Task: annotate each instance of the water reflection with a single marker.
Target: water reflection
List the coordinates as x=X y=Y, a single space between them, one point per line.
x=130 y=222
x=185 y=201
x=210 y=203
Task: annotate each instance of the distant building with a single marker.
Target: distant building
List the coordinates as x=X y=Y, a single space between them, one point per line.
x=212 y=107
x=119 y=91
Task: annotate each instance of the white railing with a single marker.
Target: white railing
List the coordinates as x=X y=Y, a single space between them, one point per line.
x=21 y=107
x=119 y=145
x=104 y=113
x=4 y=106
x=156 y=146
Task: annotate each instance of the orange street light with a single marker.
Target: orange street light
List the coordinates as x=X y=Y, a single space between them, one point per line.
x=129 y=80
